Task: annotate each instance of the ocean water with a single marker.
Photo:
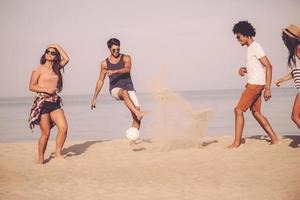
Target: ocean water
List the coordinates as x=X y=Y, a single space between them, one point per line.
x=111 y=118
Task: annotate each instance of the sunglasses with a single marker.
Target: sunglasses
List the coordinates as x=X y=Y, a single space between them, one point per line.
x=115 y=50
x=52 y=53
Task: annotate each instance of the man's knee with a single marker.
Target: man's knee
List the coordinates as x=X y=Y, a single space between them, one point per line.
x=238 y=110
x=256 y=113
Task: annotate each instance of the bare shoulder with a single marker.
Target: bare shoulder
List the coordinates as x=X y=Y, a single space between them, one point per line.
x=37 y=68
x=103 y=64
x=126 y=57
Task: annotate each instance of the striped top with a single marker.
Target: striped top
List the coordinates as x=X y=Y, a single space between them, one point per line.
x=296 y=73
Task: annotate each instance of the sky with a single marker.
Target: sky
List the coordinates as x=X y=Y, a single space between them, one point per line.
x=189 y=43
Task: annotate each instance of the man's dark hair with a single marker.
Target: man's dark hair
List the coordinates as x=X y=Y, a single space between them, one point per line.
x=113 y=41
x=244 y=28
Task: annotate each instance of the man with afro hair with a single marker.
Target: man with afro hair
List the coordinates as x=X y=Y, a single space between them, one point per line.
x=259 y=74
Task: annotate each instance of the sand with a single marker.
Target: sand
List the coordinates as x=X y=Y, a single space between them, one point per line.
x=113 y=170
x=178 y=162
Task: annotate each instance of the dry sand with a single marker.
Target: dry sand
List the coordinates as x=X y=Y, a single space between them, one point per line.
x=178 y=163
x=112 y=170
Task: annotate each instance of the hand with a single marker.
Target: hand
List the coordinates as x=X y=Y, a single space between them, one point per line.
x=267 y=94
x=93 y=104
x=243 y=71
x=111 y=72
x=279 y=82
x=51 y=91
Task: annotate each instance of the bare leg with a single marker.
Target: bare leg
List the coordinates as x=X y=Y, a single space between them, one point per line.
x=136 y=124
x=45 y=132
x=58 y=117
x=264 y=123
x=239 y=126
x=123 y=94
x=296 y=111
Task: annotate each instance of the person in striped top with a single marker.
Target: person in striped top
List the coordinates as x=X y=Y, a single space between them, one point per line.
x=291 y=39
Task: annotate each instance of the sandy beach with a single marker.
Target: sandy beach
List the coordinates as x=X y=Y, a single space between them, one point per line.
x=154 y=170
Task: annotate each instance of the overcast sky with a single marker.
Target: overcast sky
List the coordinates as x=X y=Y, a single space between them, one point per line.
x=191 y=41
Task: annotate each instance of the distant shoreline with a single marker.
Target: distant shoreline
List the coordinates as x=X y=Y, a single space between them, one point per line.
x=30 y=95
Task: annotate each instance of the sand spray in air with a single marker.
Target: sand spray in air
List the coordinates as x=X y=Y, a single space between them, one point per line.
x=176 y=123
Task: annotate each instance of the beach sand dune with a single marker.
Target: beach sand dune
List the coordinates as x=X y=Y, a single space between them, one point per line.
x=113 y=170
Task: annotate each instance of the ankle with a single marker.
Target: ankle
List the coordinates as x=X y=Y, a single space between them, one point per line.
x=236 y=143
x=274 y=138
x=58 y=153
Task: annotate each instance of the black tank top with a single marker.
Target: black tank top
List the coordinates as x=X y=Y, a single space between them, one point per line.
x=123 y=81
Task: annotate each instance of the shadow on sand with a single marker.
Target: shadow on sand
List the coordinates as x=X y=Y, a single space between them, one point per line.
x=295 y=140
x=294 y=143
x=259 y=137
x=75 y=150
x=207 y=143
x=141 y=148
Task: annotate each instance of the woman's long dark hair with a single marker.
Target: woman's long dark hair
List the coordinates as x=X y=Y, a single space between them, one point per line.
x=56 y=67
x=291 y=44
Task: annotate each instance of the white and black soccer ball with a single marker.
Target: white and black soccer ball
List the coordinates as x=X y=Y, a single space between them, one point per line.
x=132 y=133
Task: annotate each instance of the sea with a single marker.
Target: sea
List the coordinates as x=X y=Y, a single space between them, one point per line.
x=111 y=118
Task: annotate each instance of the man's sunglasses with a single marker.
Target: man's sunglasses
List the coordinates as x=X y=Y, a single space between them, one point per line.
x=52 y=53
x=115 y=50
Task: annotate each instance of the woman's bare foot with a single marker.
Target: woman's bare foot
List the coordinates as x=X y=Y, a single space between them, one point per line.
x=233 y=146
x=40 y=161
x=58 y=156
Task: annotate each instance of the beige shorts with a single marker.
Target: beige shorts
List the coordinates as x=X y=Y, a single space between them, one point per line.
x=132 y=95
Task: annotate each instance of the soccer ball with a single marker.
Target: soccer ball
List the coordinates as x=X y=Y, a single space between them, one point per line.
x=132 y=133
